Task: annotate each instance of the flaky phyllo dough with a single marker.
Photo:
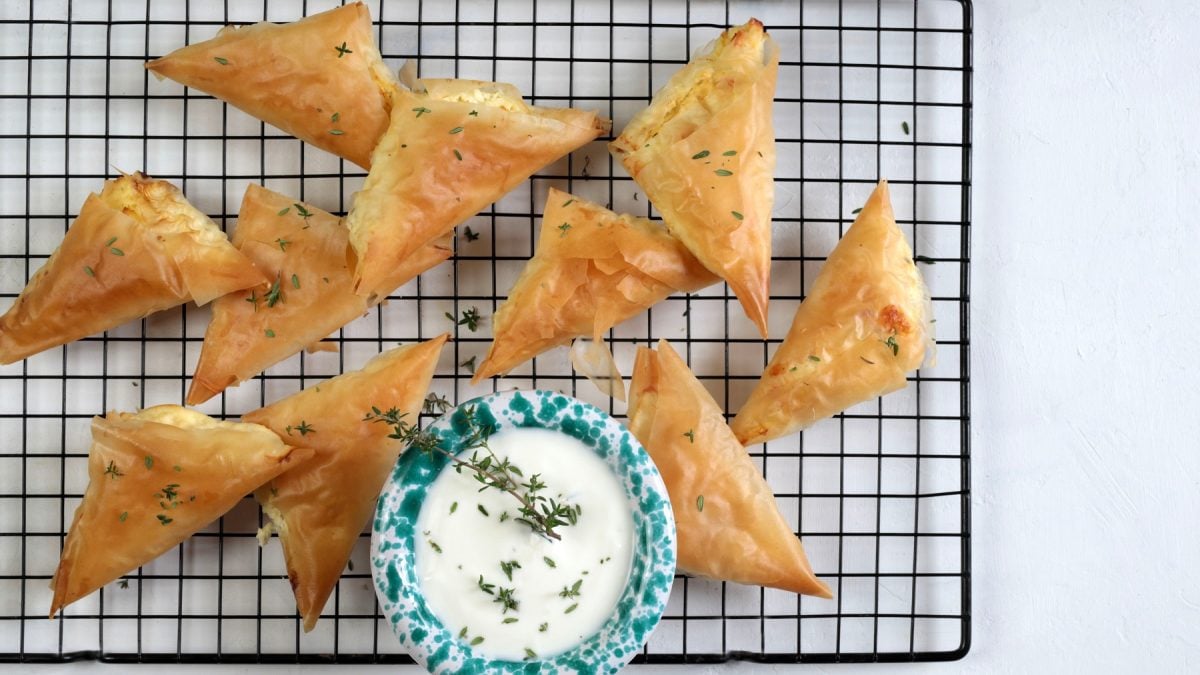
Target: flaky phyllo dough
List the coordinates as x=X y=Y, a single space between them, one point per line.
x=302 y=250
x=453 y=147
x=155 y=478
x=729 y=527
x=136 y=248
x=592 y=270
x=866 y=323
x=321 y=507
x=704 y=152
x=321 y=79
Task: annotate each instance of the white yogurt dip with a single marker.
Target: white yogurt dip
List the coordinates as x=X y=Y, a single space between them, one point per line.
x=511 y=593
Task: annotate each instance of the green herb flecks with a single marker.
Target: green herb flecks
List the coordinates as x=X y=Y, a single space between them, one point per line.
x=690 y=435
x=549 y=561
x=483 y=510
x=542 y=628
x=112 y=471
x=453 y=507
x=421 y=110
x=904 y=126
x=568 y=202
x=303 y=212
x=893 y=345
x=470 y=234
x=274 y=293
x=164 y=520
x=737 y=214
x=336 y=132
x=304 y=428
x=434 y=545
x=435 y=404
x=505 y=597
x=729 y=153
x=469 y=364
x=857 y=211
x=89 y=271
x=571 y=591
x=508 y=566
x=572 y=608
x=253 y=299
x=269 y=333
x=457 y=155
x=295 y=281
x=283 y=211
x=723 y=172
x=456 y=130
x=335 y=117
x=477 y=641
x=814 y=358
x=474 y=113
x=470 y=318
x=149 y=462
x=123 y=516
x=342 y=50
x=511 y=619
x=221 y=60
x=563 y=229
x=124 y=583
x=530 y=654
x=540 y=513
x=283 y=243
x=700 y=155
x=924 y=259
x=490 y=589
x=700 y=503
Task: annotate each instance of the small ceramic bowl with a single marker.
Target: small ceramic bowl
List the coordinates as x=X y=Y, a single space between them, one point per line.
x=641 y=605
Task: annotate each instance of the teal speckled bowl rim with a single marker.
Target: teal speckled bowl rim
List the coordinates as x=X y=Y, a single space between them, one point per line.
x=393 y=560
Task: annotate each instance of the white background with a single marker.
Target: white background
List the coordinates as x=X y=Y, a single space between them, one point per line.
x=1086 y=465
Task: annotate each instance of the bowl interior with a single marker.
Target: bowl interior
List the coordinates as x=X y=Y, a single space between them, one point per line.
x=652 y=569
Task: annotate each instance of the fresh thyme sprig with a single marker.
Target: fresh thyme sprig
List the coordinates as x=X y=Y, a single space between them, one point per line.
x=540 y=513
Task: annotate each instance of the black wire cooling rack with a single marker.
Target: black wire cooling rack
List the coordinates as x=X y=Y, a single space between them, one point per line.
x=880 y=494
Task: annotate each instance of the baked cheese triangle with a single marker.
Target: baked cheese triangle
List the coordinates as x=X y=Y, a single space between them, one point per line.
x=865 y=324
x=136 y=248
x=704 y=152
x=320 y=79
x=592 y=270
x=155 y=478
x=303 y=251
x=453 y=147
x=320 y=508
x=729 y=527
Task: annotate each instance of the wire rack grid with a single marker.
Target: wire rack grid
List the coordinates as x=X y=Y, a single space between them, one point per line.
x=880 y=494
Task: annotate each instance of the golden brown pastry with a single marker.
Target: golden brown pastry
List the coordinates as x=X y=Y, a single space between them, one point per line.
x=309 y=297
x=453 y=147
x=592 y=270
x=155 y=478
x=704 y=152
x=729 y=527
x=321 y=507
x=321 y=79
x=136 y=248
x=865 y=324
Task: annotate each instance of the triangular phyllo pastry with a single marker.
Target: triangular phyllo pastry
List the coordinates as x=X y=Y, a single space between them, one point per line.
x=320 y=508
x=302 y=249
x=155 y=478
x=136 y=248
x=321 y=79
x=729 y=527
x=865 y=324
x=704 y=152
x=592 y=270
x=453 y=147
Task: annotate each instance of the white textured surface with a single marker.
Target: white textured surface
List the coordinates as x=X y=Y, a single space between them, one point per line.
x=1086 y=467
